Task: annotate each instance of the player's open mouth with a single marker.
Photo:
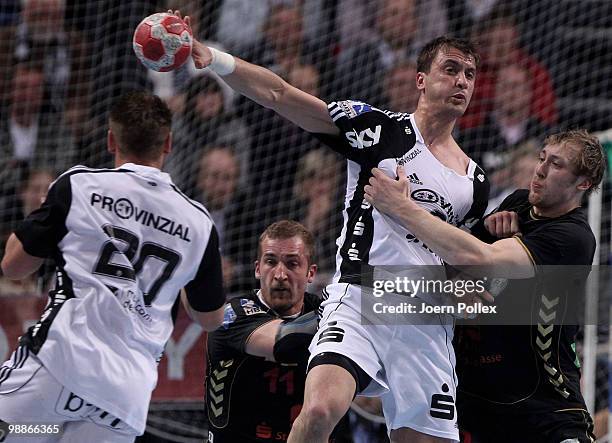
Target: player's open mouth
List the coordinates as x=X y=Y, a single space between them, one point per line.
x=459 y=97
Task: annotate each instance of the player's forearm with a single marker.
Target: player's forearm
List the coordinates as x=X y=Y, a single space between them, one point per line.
x=453 y=245
x=269 y=90
x=257 y=83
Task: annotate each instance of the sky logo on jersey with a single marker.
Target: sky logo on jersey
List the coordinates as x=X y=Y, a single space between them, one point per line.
x=126 y=210
x=229 y=315
x=365 y=138
x=353 y=108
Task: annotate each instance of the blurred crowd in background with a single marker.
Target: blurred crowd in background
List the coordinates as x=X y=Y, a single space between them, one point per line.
x=62 y=62
x=546 y=66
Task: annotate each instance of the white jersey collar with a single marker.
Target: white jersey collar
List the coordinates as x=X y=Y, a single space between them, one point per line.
x=147 y=171
x=419 y=137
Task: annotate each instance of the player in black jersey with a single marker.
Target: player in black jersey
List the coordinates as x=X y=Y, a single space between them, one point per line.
x=257 y=358
x=521 y=383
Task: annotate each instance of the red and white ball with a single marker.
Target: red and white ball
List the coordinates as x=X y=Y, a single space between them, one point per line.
x=162 y=42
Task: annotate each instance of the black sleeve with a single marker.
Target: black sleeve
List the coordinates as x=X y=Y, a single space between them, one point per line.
x=563 y=243
x=480 y=199
x=205 y=292
x=45 y=227
x=242 y=316
x=362 y=129
x=514 y=202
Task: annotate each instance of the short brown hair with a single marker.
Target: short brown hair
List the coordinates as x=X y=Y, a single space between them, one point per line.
x=285 y=229
x=430 y=50
x=591 y=159
x=141 y=123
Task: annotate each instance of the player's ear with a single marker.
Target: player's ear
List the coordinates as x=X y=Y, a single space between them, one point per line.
x=420 y=80
x=168 y=144
x=312 y=271
x=584 y=184
x=257 y=272
x=111 y=142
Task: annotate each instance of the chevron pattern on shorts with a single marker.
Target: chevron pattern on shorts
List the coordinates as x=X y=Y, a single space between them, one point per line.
x=544 y=340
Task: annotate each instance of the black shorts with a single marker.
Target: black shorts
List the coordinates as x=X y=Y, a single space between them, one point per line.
x=484 y=422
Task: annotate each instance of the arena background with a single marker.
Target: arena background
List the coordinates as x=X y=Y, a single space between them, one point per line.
x=547 y=65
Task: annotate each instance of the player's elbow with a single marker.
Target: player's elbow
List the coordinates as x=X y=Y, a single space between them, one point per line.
x=274 y=97
x=9 y=270
x=13 y=272
x=17 y=264
x=478 y=257
x=209 y=320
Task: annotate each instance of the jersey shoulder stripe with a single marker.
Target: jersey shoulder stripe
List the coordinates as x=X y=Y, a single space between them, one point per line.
x=193 y=203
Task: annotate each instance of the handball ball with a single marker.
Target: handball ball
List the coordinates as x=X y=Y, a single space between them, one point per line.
x=162 y=42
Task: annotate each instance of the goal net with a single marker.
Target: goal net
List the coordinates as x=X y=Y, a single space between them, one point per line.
x=546 y=66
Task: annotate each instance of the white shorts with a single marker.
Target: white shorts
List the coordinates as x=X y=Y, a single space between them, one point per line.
x=30 y=394
x=412 y=366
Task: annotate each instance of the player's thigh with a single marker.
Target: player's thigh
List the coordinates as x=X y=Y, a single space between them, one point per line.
x=422 y=381
x=81 y=431
x=28 y=393
x=341 y=332
x=407 y=435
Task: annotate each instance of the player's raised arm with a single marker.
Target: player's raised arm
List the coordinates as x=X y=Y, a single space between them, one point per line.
x=266 y=88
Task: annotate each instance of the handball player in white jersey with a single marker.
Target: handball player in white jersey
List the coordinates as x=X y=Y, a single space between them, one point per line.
x=125 y=242
x=410 y=366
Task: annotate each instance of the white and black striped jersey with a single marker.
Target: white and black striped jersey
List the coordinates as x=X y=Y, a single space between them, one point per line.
x=125 y=242
x=370 y=137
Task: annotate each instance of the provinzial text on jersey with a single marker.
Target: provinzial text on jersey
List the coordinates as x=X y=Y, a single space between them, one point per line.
x=125 y=210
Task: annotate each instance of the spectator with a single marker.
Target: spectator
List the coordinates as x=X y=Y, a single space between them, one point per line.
x=9 y=19
x=401 y=27
x=508 y=125
x=358 y=69
x=282 y=45
x=241 y=23
x=516 y=174
x=80 y=124
x=44 y=35
x=397 y=93
x=28 y=134
x=203 y=122
x=316 y=205
x=304 y=77
x=217 y=189
x=500 y=41
x=464 y=14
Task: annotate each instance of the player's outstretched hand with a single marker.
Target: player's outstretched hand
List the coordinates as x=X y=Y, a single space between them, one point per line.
x=502 y=224
x=386 y=193
x=202 y=56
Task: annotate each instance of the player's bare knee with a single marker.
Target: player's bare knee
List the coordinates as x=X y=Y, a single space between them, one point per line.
x=323 y=414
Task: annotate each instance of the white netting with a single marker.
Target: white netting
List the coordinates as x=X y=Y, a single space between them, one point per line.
x=547 y=65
